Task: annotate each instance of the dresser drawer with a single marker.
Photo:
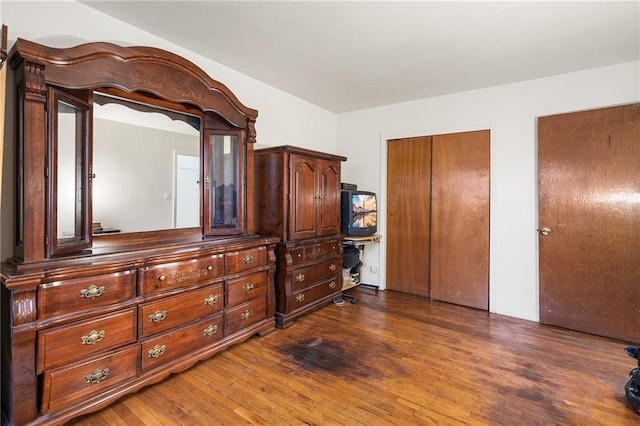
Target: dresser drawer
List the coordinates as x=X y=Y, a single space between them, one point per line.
x=309 y=275
x=65 y=343
x=245 y=288
x=181 y=274
x=243 y=260
x=65 y=386
x=80 y=294
x=173 y=311
x=245 y=315
x=314 y=293
x=167 y=347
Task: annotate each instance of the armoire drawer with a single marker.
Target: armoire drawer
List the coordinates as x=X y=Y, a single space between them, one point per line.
x=81 y=294
x=245 y=315
x=80 y=339
x=163 y=314
x=314 y=293
x=321 y=250
x=308 y=275
x=169 y=276
x=174 y=344
x=243 y=260
x=245 y=288
x=69 y=384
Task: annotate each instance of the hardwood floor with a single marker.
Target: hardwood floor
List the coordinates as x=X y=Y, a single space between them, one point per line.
x=395 y=359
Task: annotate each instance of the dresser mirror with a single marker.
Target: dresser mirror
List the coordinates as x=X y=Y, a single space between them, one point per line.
x=146 y=167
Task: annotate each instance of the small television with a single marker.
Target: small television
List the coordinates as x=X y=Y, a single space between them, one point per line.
x=359 y=213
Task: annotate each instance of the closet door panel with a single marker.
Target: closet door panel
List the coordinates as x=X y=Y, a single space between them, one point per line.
x=408 y=214
x=460 y=219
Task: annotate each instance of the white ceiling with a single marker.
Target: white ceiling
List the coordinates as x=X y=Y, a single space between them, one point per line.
x=350 y=55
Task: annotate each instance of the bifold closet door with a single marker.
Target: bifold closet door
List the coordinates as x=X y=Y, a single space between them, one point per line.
x=460 y=219
x=408 y=215
x=589 y=221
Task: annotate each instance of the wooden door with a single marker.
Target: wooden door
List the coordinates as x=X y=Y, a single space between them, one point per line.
x=328 y=205
x=302 y=200
x=460 y=219
x=589 y=220
x=408 y=214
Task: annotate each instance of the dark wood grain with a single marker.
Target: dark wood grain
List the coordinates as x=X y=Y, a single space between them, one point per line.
x=395 y=359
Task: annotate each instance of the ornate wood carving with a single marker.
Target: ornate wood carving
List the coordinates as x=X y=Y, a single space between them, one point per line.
x=24 y=307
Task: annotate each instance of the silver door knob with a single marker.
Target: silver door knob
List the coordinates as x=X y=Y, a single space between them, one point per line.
x=545 y=231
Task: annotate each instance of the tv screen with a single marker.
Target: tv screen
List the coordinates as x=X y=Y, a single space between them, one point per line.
x=359 y=213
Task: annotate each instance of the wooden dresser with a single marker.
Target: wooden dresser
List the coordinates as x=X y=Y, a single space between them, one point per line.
x=298 y=201
x=89 y=313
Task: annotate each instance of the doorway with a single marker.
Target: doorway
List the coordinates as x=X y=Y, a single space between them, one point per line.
x=187 y=199
x=438 y=217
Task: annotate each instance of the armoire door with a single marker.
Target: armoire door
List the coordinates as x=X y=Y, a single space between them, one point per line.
x=460 y=219
x=408 y=215
x=328 y=192
x=589 y=221
x=302 y=203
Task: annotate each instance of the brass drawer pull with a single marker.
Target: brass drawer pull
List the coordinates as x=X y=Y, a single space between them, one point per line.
x=211 y=300
x=248 y=287
x=300 y=278
x=299 y=255
x=158 y=316
x=332 y=284
x=97 y=376
x=157 y=351
x=247 y=259
x=246 y=314
x=209 y=268
x=300 y=297
x=92 y=292
x=93 y=337
x=211 y=330
x=332 y=267
x=162 y=277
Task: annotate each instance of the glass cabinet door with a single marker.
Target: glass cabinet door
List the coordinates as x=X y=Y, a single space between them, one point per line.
x=69 y=175
x=224 y=189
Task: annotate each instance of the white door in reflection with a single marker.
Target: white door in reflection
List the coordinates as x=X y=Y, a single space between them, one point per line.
x=187 y=199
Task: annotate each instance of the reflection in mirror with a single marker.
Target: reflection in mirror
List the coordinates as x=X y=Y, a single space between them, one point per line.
x=69 y=172
x=146 y=162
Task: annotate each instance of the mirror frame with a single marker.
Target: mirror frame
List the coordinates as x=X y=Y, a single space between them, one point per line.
x=144 y=74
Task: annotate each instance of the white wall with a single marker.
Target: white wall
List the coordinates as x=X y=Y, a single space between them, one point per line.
x=510 y=113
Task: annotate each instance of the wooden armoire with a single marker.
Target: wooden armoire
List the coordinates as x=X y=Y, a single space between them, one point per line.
x=298 y=201
x=92 y=311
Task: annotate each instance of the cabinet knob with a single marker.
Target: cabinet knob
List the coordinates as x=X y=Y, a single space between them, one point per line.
x=211 y=300
x=248 y=287
x=247 y=259
x=246 y=314
x=332 y=284
x=162 y=278
x=209 y=268
x=97 y=376
x=300 y=278
x=158 y=316
x=92 y=292
x=157 y=351
x=332 y=267
x=211 y=330
x=300 y=297
x=93 y=337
